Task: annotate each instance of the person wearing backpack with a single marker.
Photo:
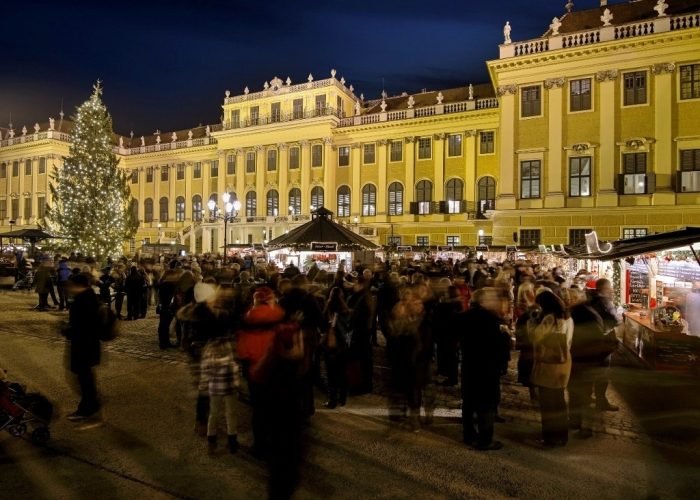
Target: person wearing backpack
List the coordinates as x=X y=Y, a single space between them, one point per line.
x=83 y=334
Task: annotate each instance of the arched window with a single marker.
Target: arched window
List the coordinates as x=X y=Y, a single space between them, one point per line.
x=343 y=201
x=455 y=194
x=180 y=209
x=163 y=217
x=424 y=197
x=369 y=200
x=295 y=201
x=273 y=203
x=134 y=206
x=486 y=194
x=148 y=210
x=395 y=198
x=251 y=204
x=316 y=197
x=197 y=208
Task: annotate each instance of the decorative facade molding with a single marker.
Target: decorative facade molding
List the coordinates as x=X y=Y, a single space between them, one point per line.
x=552 y=83
x=608 y=74
x=327 y=140
x=581 y=147
x=282 y=145
x=383 y=142
x=660 y=69
x=409 y=139
x=238 y=151
x=304 y=143
x=259 y=148
x=249 y=187
x=440 y=137
x=506 y=89
x=356 y=146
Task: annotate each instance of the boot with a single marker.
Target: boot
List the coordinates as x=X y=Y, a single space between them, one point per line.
x=211 y=440
x=233 y=443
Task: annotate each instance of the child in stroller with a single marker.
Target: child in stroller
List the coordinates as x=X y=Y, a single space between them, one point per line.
x=21 y=411
x=25 y=279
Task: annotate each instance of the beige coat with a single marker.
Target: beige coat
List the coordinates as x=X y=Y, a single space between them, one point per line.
x=545 y=372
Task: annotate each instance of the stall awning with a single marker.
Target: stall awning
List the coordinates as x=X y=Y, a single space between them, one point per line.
x=638 y=246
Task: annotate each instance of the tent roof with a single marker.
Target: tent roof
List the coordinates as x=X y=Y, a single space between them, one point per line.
x=644 y=244
x=29 y=234
x=322 y=229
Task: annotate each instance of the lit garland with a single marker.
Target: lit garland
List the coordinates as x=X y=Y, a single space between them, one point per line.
x=90 y=193
x=617 y=281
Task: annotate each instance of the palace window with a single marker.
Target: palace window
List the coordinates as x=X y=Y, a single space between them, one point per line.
x=135 y=176
x=42 y=166
x=197 y=170
x=294 y=157
x=455 y=195
x=344 y=156
x=250 y=162
x=164 y=171
x=298 y=109
x=530 y=237
x=15 y=169
x=295 y=201
x=530 y=179
x=393 y=241
x=28 y=167
x=231 y=164
x=134 y=205
x=27 y=208
x=396 y=151
x=580 y=95
x=316 y=197
x=251 y=204
x=163 y=209
x=236 y=118
x=3 y=170
x=316 y=155
x=486 y=190
x=577 y=237
x=273 y=203
x=689 y=172
x=343 y=201
x=422 y=241
x=40 y=207
x=149 y=174
x=368 y=154
x=15 y=208
x=148 y=210
x=424 y=148
x=254 y=115
x=395 y=198
x=452 y=240
x=531 y=101
x=633 y=232
x=196 y=208
x=320 y=104
x=690 y=81
x=275 y=112
x=634 y=173
x=580 y=176
x=486 y=142
x=424 y=197
x=271 y=160
x=180 y=209
x=635 y=88
x=369 y=200
x=454 y=145
x=214 y=168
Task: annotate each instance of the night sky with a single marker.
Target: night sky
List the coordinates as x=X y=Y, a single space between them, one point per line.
x=166 y=64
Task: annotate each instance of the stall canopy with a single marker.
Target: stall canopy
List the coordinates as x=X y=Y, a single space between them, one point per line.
x=636 y=246
x=322 y=229
x=30 y=235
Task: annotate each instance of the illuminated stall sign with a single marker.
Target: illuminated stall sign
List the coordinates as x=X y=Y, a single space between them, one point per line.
x=324 y=246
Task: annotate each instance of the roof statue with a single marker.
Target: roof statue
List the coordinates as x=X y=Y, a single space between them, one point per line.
x=158 y=139
x=246 y=90
x=288 y=81
x=121 y=142
x=143 y=141
x=227 y=93
x=556 y=24
x=606 y=17
x=342 y=80
x=471 y=92
x=661 y=7
x=207 y=130
x=506 y=33
x=310 y=78
x=351 y=88
x=411 y=102
x=11 y=133
x=383 y=105
x=173 y=137
x=440 y=97
x=266 y=85
x=51 y=122
x=189 y=135
x=24 y=130
x=333 y=72
x=569 y=6
x=357 y=108
x=36 y=128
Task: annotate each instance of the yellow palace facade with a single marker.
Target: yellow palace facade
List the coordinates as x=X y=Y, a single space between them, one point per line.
x=593 y=126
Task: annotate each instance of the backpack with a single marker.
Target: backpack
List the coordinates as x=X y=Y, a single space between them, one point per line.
x=108 y=325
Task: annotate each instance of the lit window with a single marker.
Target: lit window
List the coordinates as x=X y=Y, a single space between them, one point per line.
x=196 y=208
x=580 y=176
x=395 y=198
x=179 y=209
x=369 y=200
x=689 y=172
x=634 y=174
x=273 y=203
x=455 y=194
x=251 y=204
x=422 y=241
x=633 y=232
x=317 y=197
x=530 y=179
x=343 y=201
x=577 y=237
x=452 y=240
x=424 y=197
x=529 y=237
x=344 y=156
x=295 y=201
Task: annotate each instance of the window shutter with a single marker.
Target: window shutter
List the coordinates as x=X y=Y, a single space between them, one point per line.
x=413 y=208
x=442 y=207
x=620 y=184
x=651 y=183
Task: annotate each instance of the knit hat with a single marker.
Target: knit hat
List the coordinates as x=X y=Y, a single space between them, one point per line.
x=204 y=292
x=263 y=295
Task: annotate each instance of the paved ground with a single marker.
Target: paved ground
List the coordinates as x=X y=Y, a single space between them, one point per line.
x=145 y=445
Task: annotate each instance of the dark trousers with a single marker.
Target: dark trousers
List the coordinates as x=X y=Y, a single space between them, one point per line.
x=202 y=409
x=53 y=295
x=61 y=288
x=601 y=382
x=118 y=304
x=482 y=434
x=43 y=300
x=447 y=360
x=336 y=364
x=580 y=388
x=89 y=402
x=133 y=305
x=164 y=327
x=554 y=416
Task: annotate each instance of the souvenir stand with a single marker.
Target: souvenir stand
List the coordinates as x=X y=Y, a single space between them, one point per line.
x=323 y=241
x=659 y=285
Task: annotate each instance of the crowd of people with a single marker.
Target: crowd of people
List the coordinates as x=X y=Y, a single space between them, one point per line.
x=270 y=334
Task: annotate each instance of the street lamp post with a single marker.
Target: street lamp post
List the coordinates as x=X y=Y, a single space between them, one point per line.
x=230 y=213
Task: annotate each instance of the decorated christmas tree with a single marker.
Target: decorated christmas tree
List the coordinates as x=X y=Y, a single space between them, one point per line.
x=90 y=193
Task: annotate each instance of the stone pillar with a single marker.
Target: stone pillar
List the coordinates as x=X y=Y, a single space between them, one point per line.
x=439 y=166
x=410 y=155
x=188 y=194
x=172 y=194
x=156 y=194
x=663 y=126
x=507 y=130
x=21 y=192
x=283 y=166
x=142 y=193
x=554 y=196
x=356 y=176
x=240 y=178
x=261 y=167
x=206 y=240
x=470 y=165
x=382 y=186
x=305 y=166
x=221 y=189
x=35 y=188
x=606 y=167
x=330 y=165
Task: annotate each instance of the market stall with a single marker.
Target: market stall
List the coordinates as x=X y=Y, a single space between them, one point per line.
x=323 y=241
x=659 y=284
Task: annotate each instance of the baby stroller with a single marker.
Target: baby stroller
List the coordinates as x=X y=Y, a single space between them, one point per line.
x=25 y=280
x=21 y=412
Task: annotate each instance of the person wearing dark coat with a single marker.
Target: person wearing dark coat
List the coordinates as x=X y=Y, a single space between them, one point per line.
x=134 y=286
x=360 y=349
x=602 y=302
x=43 y=286
x=84 y=344
x=62 y=275
x=166 y=310
x=482 y=364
